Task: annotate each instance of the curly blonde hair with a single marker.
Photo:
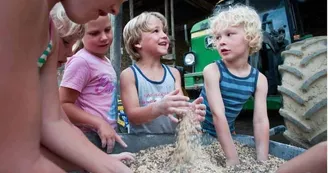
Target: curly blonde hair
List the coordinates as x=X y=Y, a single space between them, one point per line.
x=67 y=29
x=239 y=15
x=135 y=27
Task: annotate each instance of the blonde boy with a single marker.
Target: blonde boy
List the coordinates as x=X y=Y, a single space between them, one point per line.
x=151 y=91
x=230 y=82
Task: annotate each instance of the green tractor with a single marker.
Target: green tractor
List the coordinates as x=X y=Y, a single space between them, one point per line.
x=294 y=62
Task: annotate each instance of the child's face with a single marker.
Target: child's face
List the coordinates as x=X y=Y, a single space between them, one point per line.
x=82 y=11
x=231 y=43
x=65 y=50
x=98 y=36
x=155 y=42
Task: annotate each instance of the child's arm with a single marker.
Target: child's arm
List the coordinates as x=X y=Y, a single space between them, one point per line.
x=213 y=93
x=61 y=138
x=313 y=160
x=139 y=115
x=260 y=120
x=106 y=133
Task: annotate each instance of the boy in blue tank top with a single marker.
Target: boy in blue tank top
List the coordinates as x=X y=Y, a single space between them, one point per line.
x=151 y=91
x=230 y=82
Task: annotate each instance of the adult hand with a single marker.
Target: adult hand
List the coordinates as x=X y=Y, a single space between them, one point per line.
x=172 y=103
x=108 y=137
x=124 y=156
x=116 y=166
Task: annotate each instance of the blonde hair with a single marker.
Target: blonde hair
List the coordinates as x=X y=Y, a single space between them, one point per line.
x=66 y=28
x=239 y=15
x=135 y=27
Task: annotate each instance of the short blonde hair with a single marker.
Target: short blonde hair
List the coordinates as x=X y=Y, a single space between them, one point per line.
x=66 y=28
x=135 y=27
x=239 y=15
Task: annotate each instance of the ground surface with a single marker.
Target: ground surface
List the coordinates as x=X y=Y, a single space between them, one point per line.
x=244 y=124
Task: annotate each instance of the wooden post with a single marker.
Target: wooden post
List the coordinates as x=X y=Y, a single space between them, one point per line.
x=166 y=9
x=131 y=8
x=115 y=49
x=172 y=30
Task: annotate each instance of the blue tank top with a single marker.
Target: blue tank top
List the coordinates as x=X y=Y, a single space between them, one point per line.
x=151 y=91
x=235 y=91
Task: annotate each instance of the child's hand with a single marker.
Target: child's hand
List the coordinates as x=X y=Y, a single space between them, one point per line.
x=108 y=137
x=127 y=156
x=172 y=103
x=200 y=109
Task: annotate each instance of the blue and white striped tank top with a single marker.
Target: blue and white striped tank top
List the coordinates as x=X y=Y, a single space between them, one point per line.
x=235 y=91
x=151 y=91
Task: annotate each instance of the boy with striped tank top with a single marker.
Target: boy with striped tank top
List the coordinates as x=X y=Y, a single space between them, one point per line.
x=231 y=81
x=151 y=91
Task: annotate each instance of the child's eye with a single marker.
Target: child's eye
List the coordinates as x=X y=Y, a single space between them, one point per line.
x=218 y=37
x=93 y=33
x=156 y=31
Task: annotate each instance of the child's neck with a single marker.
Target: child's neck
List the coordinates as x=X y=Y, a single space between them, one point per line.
x=100 y=56
x=149 y=62
x=238 y=67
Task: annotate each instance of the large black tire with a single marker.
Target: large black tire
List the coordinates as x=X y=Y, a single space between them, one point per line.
x=304 y=91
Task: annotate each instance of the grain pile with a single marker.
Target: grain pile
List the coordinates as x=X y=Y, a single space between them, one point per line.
x=188 y=156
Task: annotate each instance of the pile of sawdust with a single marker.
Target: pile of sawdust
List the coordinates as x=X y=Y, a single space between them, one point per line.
x=156 y=159
x=187 y=155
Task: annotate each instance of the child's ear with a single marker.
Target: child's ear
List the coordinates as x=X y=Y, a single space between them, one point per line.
x=138 y=46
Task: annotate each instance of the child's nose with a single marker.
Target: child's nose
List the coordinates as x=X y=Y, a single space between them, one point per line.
x=104 y=36
x=222 y=42
x=163 y=35
x=115 y=10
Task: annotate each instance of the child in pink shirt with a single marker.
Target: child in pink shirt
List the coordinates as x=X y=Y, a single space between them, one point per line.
x=89 y=85
x=95 y=80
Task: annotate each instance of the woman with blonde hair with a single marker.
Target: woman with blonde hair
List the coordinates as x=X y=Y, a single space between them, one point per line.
x=32 y=114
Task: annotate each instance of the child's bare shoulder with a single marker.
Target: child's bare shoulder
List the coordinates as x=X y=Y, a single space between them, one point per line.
x=173 y=69
x=262 y=83
x=210 y=68
x=127 y=73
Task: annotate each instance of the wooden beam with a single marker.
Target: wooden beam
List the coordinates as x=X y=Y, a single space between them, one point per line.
x=201 y=4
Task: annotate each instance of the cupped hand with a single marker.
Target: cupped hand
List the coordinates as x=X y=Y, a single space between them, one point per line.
x=172 y=103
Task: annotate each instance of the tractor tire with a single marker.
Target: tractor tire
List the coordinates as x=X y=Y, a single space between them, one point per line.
x=304 y=91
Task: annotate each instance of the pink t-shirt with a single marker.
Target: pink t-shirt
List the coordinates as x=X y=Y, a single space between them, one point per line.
x=96 y=81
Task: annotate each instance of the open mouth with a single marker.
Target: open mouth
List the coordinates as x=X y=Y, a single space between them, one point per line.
x=224 y=51
x=163 y=43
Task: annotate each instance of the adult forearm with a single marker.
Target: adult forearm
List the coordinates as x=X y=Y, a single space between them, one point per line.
x=261 y=133
x=58 y=136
